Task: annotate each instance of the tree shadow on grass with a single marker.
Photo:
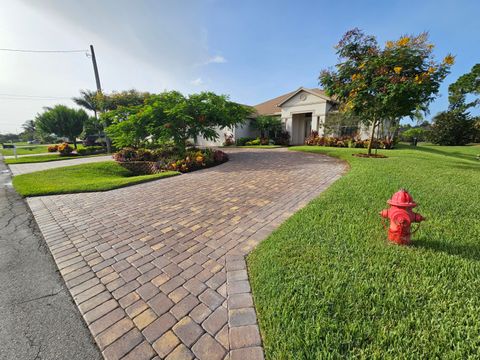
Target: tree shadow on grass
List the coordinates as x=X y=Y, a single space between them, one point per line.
x=466 y=251
x=456 y=154
x=468 y=166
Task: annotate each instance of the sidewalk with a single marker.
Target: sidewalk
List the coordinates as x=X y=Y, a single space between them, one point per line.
x=38 y=319
x=19 y=169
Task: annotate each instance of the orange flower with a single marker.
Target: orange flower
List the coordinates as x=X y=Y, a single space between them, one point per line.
x=389 y=44
x=449 y=59
x=404 y=41
x=356 y=76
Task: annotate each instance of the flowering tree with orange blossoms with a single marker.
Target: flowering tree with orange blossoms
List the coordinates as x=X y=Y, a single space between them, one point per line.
x=379 y=84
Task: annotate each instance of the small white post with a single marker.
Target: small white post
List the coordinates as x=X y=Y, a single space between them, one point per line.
x=15 y=150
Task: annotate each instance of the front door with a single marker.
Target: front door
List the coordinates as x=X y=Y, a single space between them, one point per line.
x=301 y=128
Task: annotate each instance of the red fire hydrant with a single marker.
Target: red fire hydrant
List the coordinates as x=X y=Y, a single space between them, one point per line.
x=401 y=217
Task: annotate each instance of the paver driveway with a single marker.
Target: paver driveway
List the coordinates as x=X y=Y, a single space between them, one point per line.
x=158 y=269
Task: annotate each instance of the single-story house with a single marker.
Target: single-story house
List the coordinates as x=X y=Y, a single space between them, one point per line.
x=301 y=112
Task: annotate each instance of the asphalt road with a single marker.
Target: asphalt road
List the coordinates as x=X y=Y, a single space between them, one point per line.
x=38 y=319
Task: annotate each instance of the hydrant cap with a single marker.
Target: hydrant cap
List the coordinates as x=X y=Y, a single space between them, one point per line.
x=402 y=198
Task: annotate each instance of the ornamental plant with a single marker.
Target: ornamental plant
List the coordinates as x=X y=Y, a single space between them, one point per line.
x=380 y=84
x=452 y=128
x=171 y=116
x=466 y=85
x=65 y=149
x=62 y=121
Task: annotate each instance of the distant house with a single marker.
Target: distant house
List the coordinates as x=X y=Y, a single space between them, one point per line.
x=301 y=112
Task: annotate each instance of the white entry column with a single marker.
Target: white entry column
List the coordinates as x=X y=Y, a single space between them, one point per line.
x=289 y=126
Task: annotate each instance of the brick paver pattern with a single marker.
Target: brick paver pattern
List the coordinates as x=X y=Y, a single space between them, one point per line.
x=19 y=169
x=158 y=269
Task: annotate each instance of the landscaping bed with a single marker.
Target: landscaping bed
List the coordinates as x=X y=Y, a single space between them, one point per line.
x=167 y=158
x=99 y=176
x=327 y=284
x=346 y=141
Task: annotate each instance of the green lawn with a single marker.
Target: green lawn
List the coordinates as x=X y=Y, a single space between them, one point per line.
x=45 y=158
x=327 y=284
x=260 y=146
x=99 y=176
x=29 y=149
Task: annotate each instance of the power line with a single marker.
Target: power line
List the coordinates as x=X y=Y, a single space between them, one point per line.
x=33 y=97
x=43 y=51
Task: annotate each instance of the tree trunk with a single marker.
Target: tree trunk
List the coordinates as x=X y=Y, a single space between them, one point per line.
x=372 y=137
x=395 y=131
x=75 y=142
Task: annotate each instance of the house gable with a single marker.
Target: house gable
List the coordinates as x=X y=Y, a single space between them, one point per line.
x=302 y=98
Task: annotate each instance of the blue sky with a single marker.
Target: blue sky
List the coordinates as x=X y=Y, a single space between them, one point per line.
x=251 y=50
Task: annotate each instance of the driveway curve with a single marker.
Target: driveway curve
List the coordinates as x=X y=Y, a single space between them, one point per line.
x=158 y=269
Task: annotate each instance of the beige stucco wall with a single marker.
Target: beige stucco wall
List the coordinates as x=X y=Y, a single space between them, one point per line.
x=201 y=141
x=301 y=103
x=246 y=130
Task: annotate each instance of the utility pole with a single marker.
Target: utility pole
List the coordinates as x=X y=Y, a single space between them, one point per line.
x=95 y=70
x=99 y=93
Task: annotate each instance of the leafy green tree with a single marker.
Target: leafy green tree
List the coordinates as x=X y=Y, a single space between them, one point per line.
x=383 y=84
x=62 y=121
x=173 y=116
x=125 y=98
x=9 y=137
x=267 y=125
x=467 y=84
x=99 y=102
x=420 y=133
x=452 y=128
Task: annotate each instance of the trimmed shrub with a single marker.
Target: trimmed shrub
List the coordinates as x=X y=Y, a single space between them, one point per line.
x=243 y=141
x=282 y=138
x=253 y=142
x=65 y=149
x=91 y=150
x=52 y=148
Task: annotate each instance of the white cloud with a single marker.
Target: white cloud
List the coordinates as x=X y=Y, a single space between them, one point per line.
x=138 y=45
x=197 y=82
x=216 y=60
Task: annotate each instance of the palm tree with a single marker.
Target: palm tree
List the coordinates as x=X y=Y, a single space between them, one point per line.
x=88 y=100
x=29 y=129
